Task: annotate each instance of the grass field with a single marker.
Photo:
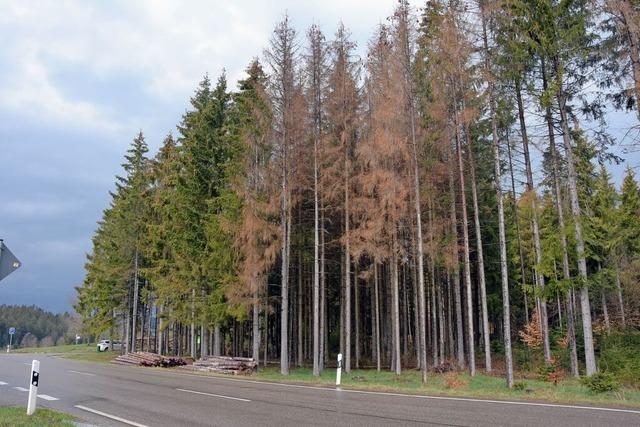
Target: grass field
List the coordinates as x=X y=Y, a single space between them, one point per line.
x=461 y=385
x=17 y=417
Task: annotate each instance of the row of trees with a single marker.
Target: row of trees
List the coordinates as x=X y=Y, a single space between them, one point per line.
x=390 y=209
x=35 y=326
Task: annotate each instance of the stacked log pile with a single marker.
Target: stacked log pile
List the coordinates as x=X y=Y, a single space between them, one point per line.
x=225 y=365
x=141 y=358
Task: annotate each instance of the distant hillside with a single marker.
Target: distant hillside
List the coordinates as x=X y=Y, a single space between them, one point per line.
x=34 y=326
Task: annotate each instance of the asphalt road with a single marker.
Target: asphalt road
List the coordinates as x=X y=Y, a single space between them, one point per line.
x=96 y=393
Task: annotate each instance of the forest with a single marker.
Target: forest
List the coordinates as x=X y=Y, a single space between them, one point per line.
x=444 y=202
x=35 y=327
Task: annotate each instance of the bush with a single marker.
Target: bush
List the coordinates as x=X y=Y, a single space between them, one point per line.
x=520 y=386
x=601 y=382
x=620 y=355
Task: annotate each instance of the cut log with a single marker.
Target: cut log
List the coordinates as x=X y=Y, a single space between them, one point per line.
x=225 y=365
x=149 y=359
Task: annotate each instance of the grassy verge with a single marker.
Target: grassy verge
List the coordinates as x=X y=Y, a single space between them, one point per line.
x=17 y=417
x=83 y=352
x=70 y=348
x=460 y=385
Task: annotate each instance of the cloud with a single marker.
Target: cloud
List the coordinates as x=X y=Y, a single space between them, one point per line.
x=18 y=208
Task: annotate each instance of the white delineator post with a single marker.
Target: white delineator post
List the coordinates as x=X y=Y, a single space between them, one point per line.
x=33 y=387
x=339 y=370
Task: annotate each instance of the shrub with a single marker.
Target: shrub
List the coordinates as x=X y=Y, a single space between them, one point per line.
x=601 y=382
x=620 y=355
x=520 y=386
x=453 y=380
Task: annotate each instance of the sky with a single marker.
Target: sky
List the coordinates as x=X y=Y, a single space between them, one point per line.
x=79 y=79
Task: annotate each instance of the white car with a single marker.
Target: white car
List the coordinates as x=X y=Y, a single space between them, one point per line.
x=105 y=345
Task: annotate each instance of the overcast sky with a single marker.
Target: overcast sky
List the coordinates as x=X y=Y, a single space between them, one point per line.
x=79 y=79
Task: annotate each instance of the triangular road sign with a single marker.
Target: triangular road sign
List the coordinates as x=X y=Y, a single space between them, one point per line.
x=8 y=261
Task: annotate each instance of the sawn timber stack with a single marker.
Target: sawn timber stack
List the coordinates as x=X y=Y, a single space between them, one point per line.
x=141 y=358
x=225 y=365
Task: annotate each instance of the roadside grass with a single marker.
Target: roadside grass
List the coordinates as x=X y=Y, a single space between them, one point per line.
x=68 y=348
x=82 y=352
x=17 y=417
x=94 y=356
x=459 y=385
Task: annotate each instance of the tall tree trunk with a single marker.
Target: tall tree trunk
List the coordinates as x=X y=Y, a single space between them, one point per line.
x=376 y=315
x=480 y=255
x=217 y=345
x=347 y=268
x=136 y=292
x=396 y=312
x=284 y=306
x=255 y=348
x=356 y=301
x=518 y=234
x=590 y=359
x=300 y=322
x=323 y=298
x=467 y=262
x=316 y=267
x=504 y=273
x=535 y=225
x=620 y=301
x=573 y=355
x=456 y=275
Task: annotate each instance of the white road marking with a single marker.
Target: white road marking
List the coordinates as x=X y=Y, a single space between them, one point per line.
x=113 y=417
x=419 y=396
x=3 y=383
x=21 y=388
x=83 y=373
x=28 y=364
x=47 y=397
x=213 y=395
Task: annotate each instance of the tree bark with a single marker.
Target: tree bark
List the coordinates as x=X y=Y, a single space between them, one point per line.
x=590 y=359
x=467 y=262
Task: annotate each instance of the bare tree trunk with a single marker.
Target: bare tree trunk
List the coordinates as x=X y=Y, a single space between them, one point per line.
x=467 y=262
x=323 y=299
x=193 y=324
x=456 y=275
x=563 y=237
x=517 y=222
x=134 y=315
x=255 y=353
x=316 y=267
x=504 y=273
x=357 y=315
x=347 y=269
x=590 y=359
x=535 y=226
x=396 y=313
x=480 y=255
x=377 y=315
x=620 y=301
x=216 y=340
x=300 y=323
x=160 y=331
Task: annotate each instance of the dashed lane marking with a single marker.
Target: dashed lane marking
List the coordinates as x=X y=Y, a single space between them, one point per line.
x=83 y=373
x=21 y=388
x=113 y=417
x=47 y=397
x=213 y=395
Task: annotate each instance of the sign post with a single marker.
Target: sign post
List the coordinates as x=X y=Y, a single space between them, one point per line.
x=12 y=331
x=339 y=370
x=33 y=387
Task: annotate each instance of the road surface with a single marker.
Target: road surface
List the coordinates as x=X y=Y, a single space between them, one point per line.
x=112 y=395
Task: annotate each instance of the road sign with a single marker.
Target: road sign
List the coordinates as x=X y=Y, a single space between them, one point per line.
x=8 y=261
x=12 y=331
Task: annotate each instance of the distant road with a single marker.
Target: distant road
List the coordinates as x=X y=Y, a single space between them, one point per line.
x=110 y=395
